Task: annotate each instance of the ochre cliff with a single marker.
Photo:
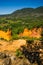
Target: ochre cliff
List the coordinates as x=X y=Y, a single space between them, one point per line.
x=5 y=35
x=31 y=33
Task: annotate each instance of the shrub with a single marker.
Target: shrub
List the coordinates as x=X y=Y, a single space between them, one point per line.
x=18 y=53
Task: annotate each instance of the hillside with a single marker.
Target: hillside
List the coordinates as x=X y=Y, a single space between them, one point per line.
x=25 y=12
x=21 y=37
x=28 y=12
x=21 y=19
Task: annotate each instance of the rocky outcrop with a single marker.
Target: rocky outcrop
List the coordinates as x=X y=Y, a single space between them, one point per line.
x=5 y=35
x=35 y=33
x=32 y=52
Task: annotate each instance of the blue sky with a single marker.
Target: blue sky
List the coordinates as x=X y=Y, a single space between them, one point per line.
x=8 y=6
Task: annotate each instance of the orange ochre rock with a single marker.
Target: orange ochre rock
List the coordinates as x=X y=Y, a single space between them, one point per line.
x=31 y=33
x=26 y=33
x=5 y=35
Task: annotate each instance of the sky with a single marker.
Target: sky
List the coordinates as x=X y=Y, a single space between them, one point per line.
x=8 y=6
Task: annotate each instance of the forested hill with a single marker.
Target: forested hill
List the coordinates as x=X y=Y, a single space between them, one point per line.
x=28 y=12
x=24 y=12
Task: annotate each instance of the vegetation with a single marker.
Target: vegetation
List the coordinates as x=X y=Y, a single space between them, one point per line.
x=25 y=18
x=19 y=53
x=29 y=51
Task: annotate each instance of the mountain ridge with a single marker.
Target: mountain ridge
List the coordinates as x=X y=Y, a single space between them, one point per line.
x=26 y=11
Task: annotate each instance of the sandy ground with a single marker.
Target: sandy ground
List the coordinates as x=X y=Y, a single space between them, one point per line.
x=12 y=45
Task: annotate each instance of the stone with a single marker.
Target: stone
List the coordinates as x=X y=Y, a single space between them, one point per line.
x=7 y=61
x=2 y=55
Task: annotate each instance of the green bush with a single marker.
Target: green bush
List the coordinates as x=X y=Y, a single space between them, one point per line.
x=18 y=53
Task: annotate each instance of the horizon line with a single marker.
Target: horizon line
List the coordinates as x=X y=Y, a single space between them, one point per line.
x=3 y=14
